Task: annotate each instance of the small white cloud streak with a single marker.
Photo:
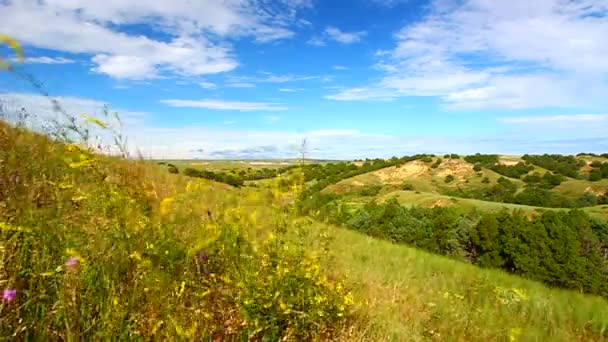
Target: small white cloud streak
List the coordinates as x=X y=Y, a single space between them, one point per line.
x=343 y=37
x=223 y=105
x=48 y=60
x=556 y=119
x=207 y=85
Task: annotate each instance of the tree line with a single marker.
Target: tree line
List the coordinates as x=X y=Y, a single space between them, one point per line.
x=561 y=248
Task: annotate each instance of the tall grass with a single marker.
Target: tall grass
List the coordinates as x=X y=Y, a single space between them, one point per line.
x=95 y=247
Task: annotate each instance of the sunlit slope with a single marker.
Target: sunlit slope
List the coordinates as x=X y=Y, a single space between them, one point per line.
x=416 y=296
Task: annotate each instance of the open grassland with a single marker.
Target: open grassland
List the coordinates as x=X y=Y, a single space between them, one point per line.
x=411 y=295
x=227 y=165
x=424 y=178
x=577 y=187
x=98 y=248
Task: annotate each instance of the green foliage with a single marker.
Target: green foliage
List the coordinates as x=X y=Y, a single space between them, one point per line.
x=172 y=168
x=564 y=249
x=222 y=177
x=564 y=165
x=548 y=181
x=407 y=186
x=331 y=173
x=483 y=159
x=491 y=162
x=372 y=190
x=448 y=179
x=599 y=171
x=436 y=163
x=512 y=171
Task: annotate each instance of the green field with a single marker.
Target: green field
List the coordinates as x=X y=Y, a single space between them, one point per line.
x=415 y=296
x=227 y=165
x=99 y=248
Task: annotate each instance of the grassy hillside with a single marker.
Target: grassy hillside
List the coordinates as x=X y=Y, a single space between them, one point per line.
x=416 y=296
x=421 y=183
x=98 y=248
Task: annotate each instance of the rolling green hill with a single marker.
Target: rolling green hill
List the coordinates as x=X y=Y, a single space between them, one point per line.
x=418 y=183
x=96 y=248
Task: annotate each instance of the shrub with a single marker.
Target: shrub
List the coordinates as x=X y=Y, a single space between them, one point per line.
x=407 y=186
x=595 y=175
x=477 y=167
x=596 y=163
x=485 y=180
x=172 y=168
x=449 y=178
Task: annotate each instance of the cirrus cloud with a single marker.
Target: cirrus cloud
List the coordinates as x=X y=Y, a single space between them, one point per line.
x=196 y=32
x=477 y=54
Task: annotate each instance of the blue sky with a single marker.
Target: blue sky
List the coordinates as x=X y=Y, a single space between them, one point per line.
x=358 y=78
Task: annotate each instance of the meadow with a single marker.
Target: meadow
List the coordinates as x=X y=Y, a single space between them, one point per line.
x=98 y=247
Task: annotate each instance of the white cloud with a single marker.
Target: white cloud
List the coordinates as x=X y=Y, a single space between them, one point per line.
x=479 y=54
x=335 y=34
x=316 y=41
x=338 y=143
x=356 y=94
x=339 y=67
x=240 y=85
x=340 y=36
x=130 y=67
x=196 y=29
x=223 y=105
x=266 y=77
x=291 y=90
x=207 y=85
x=557 y=119
x=48 y=60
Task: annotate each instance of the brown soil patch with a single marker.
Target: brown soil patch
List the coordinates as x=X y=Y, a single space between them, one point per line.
x=509 y=161
x=598 y=191
x=396 y=175
x=455 y=167
x=587 y=168
x=442 y=203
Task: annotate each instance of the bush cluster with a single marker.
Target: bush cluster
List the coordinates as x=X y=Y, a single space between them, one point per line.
x=561 y=248
x=567 y=166
x=490 y=161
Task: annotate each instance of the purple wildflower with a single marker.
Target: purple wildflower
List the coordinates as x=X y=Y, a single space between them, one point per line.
x=203 y=257
x=9 y=295
x=72 y=261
